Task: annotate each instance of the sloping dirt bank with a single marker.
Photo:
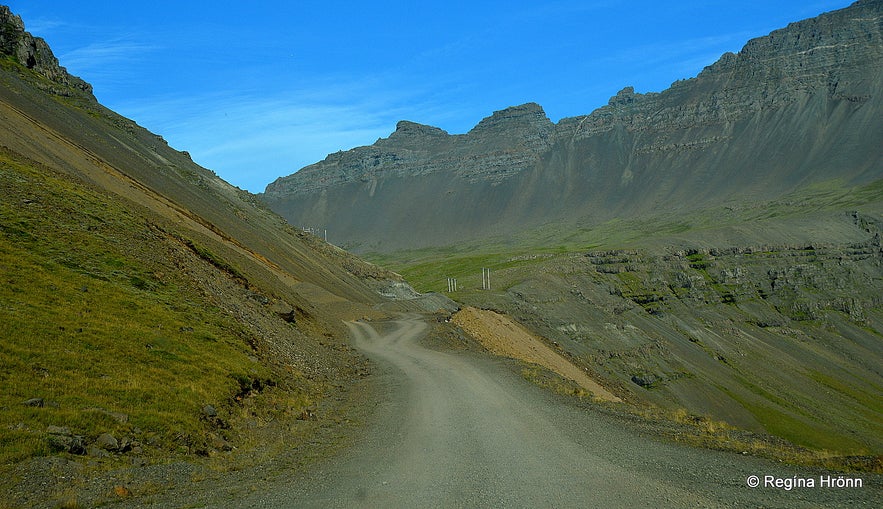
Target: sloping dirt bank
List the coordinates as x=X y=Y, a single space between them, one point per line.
x=502 y=336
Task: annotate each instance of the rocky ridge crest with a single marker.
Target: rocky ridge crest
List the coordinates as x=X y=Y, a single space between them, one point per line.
x=838 y=54
x=34 y=53
x=501 y=145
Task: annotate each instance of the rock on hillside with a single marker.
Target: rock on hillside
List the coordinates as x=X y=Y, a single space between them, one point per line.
x=799 y=106
x=34 y=53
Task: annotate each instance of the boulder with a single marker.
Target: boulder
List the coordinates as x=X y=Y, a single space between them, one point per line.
x=65 y=442
x=107 y=442
x=284 y=311
x=645 y=380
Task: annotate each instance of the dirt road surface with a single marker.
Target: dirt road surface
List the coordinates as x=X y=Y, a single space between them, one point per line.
x=462 y=430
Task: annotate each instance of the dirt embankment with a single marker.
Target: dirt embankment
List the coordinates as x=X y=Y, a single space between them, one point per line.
x=503 y=336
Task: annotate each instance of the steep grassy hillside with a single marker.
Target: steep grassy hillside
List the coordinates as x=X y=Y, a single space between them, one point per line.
x=100 y=325
x=149 y=311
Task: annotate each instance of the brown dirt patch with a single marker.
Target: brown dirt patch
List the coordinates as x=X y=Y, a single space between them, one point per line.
x=503 y=336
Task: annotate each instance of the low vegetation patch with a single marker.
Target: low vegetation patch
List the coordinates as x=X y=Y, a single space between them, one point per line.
x=705 y=431
x=103 y=347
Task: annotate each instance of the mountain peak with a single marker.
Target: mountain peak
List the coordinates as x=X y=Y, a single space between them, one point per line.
x=408 y=127
x=529 y=115
x=624 y=97
x=35 y=54
x=526 y=125
x=412 y=136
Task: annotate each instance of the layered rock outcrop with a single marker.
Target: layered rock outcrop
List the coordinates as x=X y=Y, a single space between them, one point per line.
x=504 y=144
x=799 y=106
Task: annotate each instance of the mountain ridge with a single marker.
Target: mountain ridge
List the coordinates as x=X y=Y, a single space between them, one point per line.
x=789 y=100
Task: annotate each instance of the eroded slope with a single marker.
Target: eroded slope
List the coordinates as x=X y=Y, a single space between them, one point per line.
x=149 y=311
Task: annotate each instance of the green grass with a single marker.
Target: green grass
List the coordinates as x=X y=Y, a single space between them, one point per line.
x=869 y=399
x=797 y=425
x=93 y=317
x=428 y=270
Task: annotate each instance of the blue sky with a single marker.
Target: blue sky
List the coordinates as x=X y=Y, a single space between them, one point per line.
x=256 y=90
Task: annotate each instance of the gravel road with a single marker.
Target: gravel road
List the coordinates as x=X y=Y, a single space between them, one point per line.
x=463 y=430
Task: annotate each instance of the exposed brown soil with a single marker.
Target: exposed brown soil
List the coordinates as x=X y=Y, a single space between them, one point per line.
x=503 y=336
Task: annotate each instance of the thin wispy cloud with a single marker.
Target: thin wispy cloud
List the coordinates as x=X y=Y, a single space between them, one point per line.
x=101 y=55
x=41 y=26
x=98 y=50
x=260 y=138
x=679 y=50
x=680 y=59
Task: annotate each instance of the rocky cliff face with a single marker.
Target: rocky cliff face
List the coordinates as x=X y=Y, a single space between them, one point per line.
x=500 y=146
x=33 y=53
x=798 y=106
x=836 y=54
